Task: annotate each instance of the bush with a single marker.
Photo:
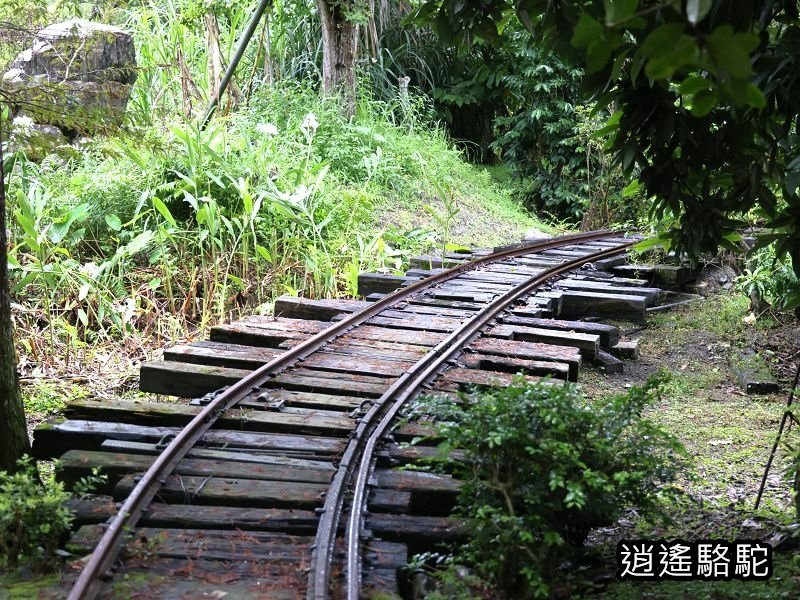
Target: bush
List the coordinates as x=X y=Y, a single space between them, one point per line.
x=543 y=466
x=33 y=518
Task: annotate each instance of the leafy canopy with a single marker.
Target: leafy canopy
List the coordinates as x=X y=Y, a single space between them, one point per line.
x=704 y=93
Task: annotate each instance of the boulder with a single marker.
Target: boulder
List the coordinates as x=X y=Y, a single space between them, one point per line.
x=77 y=75
x=35 y=139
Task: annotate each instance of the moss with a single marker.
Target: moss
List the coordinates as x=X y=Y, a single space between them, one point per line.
x=15 y=587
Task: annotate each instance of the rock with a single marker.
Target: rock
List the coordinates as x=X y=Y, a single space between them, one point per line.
x=534 y=235
x=35 y=139
x=77 y=75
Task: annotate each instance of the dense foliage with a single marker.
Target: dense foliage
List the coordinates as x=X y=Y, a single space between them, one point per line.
x=542 y=466
x=704 y=94
x=33 y=519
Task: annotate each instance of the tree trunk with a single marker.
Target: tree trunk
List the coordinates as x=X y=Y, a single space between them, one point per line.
x=339 y=46
x=14 y=441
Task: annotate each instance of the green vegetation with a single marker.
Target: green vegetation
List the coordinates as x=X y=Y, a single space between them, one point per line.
x=702 y=94
x=653 y=114
x=33 y=519
x=542 y=467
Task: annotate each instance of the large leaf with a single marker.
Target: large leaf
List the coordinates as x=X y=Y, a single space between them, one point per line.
x=60 y=228
x=587 y=30
x=696 y=10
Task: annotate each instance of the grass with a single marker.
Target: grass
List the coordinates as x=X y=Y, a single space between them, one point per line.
x=728 y=433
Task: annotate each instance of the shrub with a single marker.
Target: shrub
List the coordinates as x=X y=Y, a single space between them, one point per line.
x=33 y=518
x=543 y=466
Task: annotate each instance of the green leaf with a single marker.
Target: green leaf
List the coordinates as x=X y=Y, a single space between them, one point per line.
x=692 y=85
x=159 y=205
x=139 y=243
x=682 y=52
x=113 y=221
x=703 y=101
x=755 y=97
x=631 y=189
x=619 y=10
x=263 y=253
x=586 y=31
x=662 y=40
x=60 y=229
x=730 y=52
x=696 y=10
x=661 y=241
x=598 y=53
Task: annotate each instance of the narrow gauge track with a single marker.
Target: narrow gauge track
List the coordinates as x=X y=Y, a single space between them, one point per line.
x=353 y=469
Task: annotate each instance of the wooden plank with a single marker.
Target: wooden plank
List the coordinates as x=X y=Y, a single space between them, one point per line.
x=207 y=544
x=491 y=277
x=385 y=350
x=426 y=261
x=326 y=382
x=530 y=351
x=283 y=324
x=252 y=335
x=226 y=491
x=77 y=463
x=507 y=364
x=587 y=343
x=608 y=264
x=675 y=275
x=387 y=334
x=186 y=380
x=416 y=528
x=294 y=307
x=219 y=454
x=431 y=301
x=190 y=516
x=628 y=349
x=402 y=312
x=381 y=283
x=57 y=435
x=418 y=323
x=221 y=355
x=609 y=334
x=169 y=414
x=416 y=481
x=619 y=306
x=389 y=501
x=609 y=363
x=360 y=364
x=650 y=294
x=466 y=378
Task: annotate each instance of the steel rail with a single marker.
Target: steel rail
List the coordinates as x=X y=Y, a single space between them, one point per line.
x=429 y=366
x=361 y=446
x=105 y=553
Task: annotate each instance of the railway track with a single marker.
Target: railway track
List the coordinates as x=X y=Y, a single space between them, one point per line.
x=276 y=481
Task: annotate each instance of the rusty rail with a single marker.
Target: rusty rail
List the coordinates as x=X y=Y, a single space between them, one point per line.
x=89 y=581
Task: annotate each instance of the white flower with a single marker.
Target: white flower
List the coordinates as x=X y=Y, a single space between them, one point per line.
x=310 y=124
x=23 y=124
x=127 y=309
x=267 y=129
x=90 y=269
x=300 y=195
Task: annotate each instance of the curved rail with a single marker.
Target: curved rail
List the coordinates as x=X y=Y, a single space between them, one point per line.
x=88 y=583
x=374 y=423
x=411 y=382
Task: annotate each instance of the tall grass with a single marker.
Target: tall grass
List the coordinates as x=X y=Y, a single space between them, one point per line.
x=282 y=195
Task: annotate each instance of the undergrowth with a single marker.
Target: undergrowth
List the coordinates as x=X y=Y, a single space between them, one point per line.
x=543 y=466
x=285 y=196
